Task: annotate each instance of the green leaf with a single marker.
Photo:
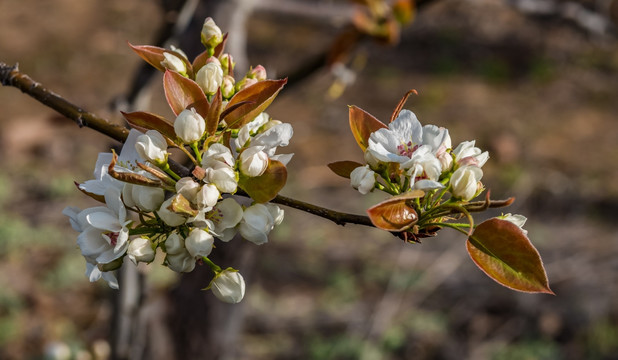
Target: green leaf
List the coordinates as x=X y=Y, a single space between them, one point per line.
x=256 y=97
x=362 y=125
x=265 y=187
x=502 y=250
x=181 y=92
x=396 y=213
x=143 y=121
x=344 y=168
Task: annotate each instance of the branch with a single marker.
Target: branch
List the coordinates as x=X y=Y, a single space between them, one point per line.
x=11 y=76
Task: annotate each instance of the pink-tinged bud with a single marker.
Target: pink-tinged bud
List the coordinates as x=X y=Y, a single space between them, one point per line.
x=228 y=88
x=245 y=83
x=211 y=34
x=258 y=73
x=228 y=286
x=175 y=63
x=209 y=77
x=227 y=63
x=189 y=126
x=465 y=182
x=140 y=250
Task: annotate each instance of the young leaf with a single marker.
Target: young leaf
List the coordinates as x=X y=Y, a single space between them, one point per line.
x=180 y=91
x=505 y=254
x=200 y=60
x=212 y=118
x=265 y=187
x=362 y=125
x=257 y=97
x=146 y=121
x=152 y=54
x=344 y=168
x=395 y=214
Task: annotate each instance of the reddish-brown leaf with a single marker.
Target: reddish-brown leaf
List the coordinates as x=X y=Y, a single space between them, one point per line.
x=344 y=168
x=221 y=47
x=200 y=61
x=214 y=112
x=256 y=97
x=180 y=91
x=395 y=214
x=143 y=121
x=152 y=54
x=502 y=250
x=265 y=187
x=362 y=125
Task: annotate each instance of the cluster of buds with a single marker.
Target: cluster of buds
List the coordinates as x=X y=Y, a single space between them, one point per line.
x=151 y=207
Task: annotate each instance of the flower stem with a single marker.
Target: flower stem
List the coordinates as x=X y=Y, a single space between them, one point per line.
x=197 y=153
x=214 y=267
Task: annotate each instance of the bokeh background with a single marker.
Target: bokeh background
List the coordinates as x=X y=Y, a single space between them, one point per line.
x=535 y=83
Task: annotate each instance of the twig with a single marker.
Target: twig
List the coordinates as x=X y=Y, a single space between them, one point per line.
x=11 y=76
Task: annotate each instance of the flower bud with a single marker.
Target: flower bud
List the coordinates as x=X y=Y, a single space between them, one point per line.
x=199 y=243
x=363 y=179
x=228 y=286
x=253 y=161
x=147 y=198
x=174 y=244
x=207 y=196
x=228 y=213
x=516 y=219
x=245 y=83
x=188 y=188
x=169 y=217
x=227 y=63
x=256 y=224
x=209 y=77
x=152 y=146
x=217 y=153
x=464 y=182
x=223 y=177
x=181 y=262
x=140 y=250
x=258 y=73
x=227 y=87
x=173 y=62
x=189 y=126
x=211 y=34
x=276 y=212
x=468 y=154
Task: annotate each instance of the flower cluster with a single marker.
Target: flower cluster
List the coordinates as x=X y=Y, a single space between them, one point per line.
x=151 y=207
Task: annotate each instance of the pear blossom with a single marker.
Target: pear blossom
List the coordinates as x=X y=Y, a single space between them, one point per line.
x=227 y=63
x=439 y=140
x=397 y=143
x=207 y=196
x=258 y=73
x=168 y=216
x=223 y=177
x=217 y=153
x=140 y=250
x=188 y=188
x=363 y=179
x=516 y=219
x=152 y=146
x=245 y=83
x=174 y=244
x=249 y=129
x=211 y=34
x=228 y=286
x=468 y=154
x=227 y=87
x=173 y=62
x=253 y=161
x=189 y=126
x=199 y=243
x=276 y=212
x=210 y=77
x=464 y=182
x=144 y=197
x=256 y=224
x=180 y=262
x=225 y=216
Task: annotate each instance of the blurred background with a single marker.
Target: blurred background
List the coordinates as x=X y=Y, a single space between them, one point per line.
x=533 y=82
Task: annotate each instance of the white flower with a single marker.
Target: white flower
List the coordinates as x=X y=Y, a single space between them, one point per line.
x=440 y=141
x=464 y=182
x=140 y=250
x=363 y=179
x=270 y=139
x=93 y=273
x=276 y=212
x=223 y=177
x=180 y=262
x=188 y=188
x=189 y=126
x=225 y=216
x=228 y=286
x=211 y=34
x=468 y=154
x=174 y=244
x=256 y=224
x=516 y=219
x=199 y=243
x=397 y=143
x=217 y=153
x=173 y=62
x=169 y=217
x=253 y=161
x=423 y=165
x=250 y=128
x=209 y=77
x=152 y=146
x=207 y=197
x=144 y=197
x=427 y=185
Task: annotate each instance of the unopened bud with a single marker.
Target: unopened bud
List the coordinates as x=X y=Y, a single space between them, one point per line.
x=211 y=34
x=209 y=77
x=227 y=63
x=253 y=161
x=189 y=126
x=140 y=250
x=245 y=83
x=173 y=62
x=227 y=87
x=258 y=73
x=228 y=286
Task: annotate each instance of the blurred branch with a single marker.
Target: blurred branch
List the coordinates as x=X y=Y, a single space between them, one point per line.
x=11 y=76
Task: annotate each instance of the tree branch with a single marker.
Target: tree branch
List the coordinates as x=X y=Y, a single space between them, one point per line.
x=11 y=76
